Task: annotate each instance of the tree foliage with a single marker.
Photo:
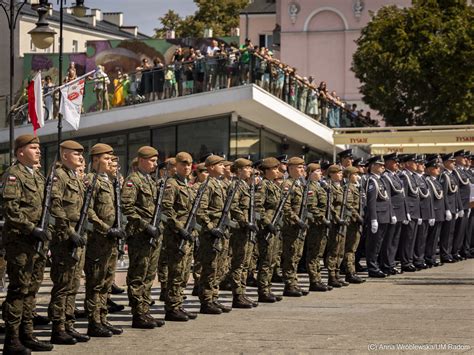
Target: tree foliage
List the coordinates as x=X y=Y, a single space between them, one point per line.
x=416 y=64
x=220 y=15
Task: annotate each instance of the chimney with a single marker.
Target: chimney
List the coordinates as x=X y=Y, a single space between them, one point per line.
x=68 y=10
x=130 y=29
x=90 y=19
x=97 y=13
x=114 y=17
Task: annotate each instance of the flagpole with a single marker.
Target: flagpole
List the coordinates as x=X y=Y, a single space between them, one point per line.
x=60 y=76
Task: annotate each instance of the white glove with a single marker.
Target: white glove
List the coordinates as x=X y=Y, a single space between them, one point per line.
x=448 y=215
x=374 y=226
x=431 y=222
x=394 y=220
x=468 y=213
x=405 y=221
x=456 y=216
x=408 y=217
x=419 y=222
x=461 y=214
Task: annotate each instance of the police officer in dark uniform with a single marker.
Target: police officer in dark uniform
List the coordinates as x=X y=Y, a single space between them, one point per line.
x=346 y=158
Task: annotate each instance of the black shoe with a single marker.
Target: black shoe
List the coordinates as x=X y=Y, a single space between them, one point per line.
x=210 y=308
x=395 y=271
x=318 y=287
x=223 y=308
x=195 y=291
x=115 y=330
x=447 y=261
x=343 y=282
x=436 y=264
x=251 y=281
x=34 y=344
x=142 y=322
x=251 y=301
x=457 y=257
x=115 y=290
x=79 y=313
x=40 y=320
x=360 y=268
x=421 y=266
x=176 y=315
x=97 y=330
x=354 y=279
x=191 y=315
x=81 y=338
x=277 y=297
x=277 y=278
x=266 y=298
x=379 y=274
x=14 y=346
x=333 y=282
x=240 y=302
x=62 y=338
x=409 y=268
x=113 y=307
x=292 y=292
x=303 y=292
x=158 y=322
x=163 y=294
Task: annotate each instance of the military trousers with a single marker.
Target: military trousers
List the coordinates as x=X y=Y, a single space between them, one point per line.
x=163 y=265
x=197 y=267
x=292 y=251
x=335 y=251
x=420 y=244
x=407 y=243
x=277 y=251
x=373 y=245
x=188 y=266
x=240 y=260
x=389 y=248
x=211 y=260
x=432 y=243
x=446 y=240
x=143 y=263
x=316 y=240
x=460 y=230
x=177 y=263
x=350 y=247
x=25 y=269
x=265 y=265
x=100 y=265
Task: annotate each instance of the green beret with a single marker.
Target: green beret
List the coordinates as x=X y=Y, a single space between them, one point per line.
x=295 y=161
x=312 y=167
x=147 y=152
x=241 y=163
x=183 y=157
x=170 y=161
x=25 y=139
x=227 y=163
x=101 y=148
x=334 y=169
x=350 y=170
x=72 y=145
x=201 y=167
x=269 y=163
x=213 y=160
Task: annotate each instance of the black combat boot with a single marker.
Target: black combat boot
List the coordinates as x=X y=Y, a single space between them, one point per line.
x=158 y=322
x=163 y=294
x=191 y=315
x=224 y=308
x=277 y=297
x=319 y=287
x=113 y=307
x=13 y=346
x=59 y=335
x=354 y=279
x=239 y=301
x=176 y=315
x=79 y=313
x=195 y=290
x=210 y=308
x=142 y=322
x=97 y=330
x=115 y=290
x=40 y=320
x=109 y=326
x=225 y=285
x=334 y=282
x=251 y=301
x=31 y=342
x=81 y=338
x=266 y=298
x=291 y=291
x=251 y=280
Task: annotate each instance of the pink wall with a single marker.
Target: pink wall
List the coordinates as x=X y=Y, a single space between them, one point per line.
x=257 y=25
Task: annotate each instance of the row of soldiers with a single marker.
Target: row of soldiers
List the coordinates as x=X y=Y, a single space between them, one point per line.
x=213 y=227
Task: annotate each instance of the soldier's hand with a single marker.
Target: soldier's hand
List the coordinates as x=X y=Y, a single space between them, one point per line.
x=116 y=233
x=393 y=220
x=431 y=222
x=326 y=222
x=301 y=224
x=448 y=215
x=252 y=227
x=216 y=233
x=78 y=240
x=360 y=219
x=374 y=226
x=41 y=234
x=271 y=228
x=152 y=231
x=184 y=234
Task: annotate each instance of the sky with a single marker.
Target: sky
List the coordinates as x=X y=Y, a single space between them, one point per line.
x=143 y=13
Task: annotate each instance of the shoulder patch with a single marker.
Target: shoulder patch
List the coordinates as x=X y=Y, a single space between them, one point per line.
x=12 y=178
x=286 y=188
x=310 y=193
x=55 y=178
x=129 y=184
x=371 y=186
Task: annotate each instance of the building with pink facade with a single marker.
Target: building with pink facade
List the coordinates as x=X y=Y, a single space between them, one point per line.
x=315 y=36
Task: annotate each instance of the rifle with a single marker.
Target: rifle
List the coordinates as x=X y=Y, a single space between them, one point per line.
x=252 y=214
x=279 y=211
x=342 y=216
x=118 y=212
x=224 y=221
x=155 y=221
x=303 y=215
x=191 y=220
x=44 y=219
x=81 y=224
x=328 y=206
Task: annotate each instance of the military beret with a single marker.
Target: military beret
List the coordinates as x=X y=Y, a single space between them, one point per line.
x=170 y=161
x=376 y=159
x=241 y=163
x=312 y=167
x=446 y=157
x=134 y=161
x=325 y=164
x=350 y=170
x=345 y=154
x=183 y=157
x=391 y=156
x=333 y=169
x=295 y=161
x=227 y=163
x=283 y=158
x=270 y=162
x=459 y=153
x=408 y=157
x=147 y=152
x=201 y=167
x=25 y=139
x=213 y=160
x=204 y=157
x=101 y=148
x=162 y=165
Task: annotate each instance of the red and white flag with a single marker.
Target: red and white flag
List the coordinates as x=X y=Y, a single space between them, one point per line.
x=71 y=102
x=35 y=102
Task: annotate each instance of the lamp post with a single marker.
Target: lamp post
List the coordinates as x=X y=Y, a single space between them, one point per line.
x=12 y=9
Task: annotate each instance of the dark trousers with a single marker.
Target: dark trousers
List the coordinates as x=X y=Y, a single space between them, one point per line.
x=446 y=240
x=373 y=244
x=459 y=233
x=390 y=246
x=420 y=244
x=407 y=243
x=432 y=242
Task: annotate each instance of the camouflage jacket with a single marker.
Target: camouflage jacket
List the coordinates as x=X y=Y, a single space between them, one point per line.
x=267 y=198
x=177 y=202
x=102 y=206
x=317 y=202
x=239 y=210
x=212 y=204
x=293 y=203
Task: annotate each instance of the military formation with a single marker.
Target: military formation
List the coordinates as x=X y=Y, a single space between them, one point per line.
x=228 y=224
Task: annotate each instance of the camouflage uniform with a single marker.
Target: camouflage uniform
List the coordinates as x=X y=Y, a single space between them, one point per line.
x=353 y=230
x=66 y=203
x=138 y=203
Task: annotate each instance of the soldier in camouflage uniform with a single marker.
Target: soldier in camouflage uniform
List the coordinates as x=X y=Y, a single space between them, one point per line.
x=138 y=203
x=66 y=269
x=101 y=251
x=353 y=229
x=267 y=198
x=242 y=247
x=292 y=246
x=318 y=224
x=208 y=217
x=22 y=205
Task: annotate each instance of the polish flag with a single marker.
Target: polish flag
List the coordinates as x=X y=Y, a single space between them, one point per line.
x=35 y=102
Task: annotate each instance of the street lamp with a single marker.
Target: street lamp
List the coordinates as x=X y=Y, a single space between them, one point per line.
x=42 y=35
